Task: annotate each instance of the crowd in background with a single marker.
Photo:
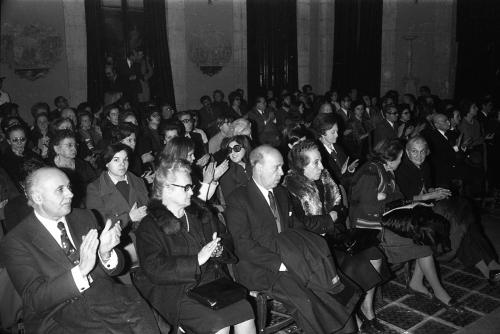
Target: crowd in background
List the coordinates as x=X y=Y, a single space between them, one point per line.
x=347 y=158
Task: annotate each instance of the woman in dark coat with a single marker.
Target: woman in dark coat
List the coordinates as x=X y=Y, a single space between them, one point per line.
x=63 y=155
x=314 y=193
x=373 y=189
x=180 y=244
x=239 y=172
x=17 y=153
x=119 y=195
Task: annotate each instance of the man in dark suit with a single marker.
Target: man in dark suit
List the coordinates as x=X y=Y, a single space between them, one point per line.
x=259 y=215
x=113 y=83
x=130 y=72
x=388 y=128
x=264 y=123
x=443 y=153
x=61 y=266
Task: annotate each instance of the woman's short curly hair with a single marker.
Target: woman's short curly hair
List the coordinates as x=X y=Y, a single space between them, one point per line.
x=165 y=173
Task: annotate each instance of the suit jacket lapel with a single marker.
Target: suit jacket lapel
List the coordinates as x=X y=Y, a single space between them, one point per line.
x=44 y=241
x=261 y=202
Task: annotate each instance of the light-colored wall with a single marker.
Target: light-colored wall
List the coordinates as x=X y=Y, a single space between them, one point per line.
x=186 y=19
x=48 y=14
x=432 y=22
x=68 y=76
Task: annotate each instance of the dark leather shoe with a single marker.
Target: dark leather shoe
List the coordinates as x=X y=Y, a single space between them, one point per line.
x=370 y=326
x=453 y=305
x=494 y=276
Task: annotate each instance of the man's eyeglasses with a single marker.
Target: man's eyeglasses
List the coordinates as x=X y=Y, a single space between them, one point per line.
x=188 y=120
x=235 y=148
x=18 y=140
x=186 y=188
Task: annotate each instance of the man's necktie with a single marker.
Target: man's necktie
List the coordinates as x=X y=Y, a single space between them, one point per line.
x=274 y=209
x=67 y=246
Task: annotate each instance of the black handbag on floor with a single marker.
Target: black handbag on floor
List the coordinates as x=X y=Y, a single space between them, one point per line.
x=219 y=293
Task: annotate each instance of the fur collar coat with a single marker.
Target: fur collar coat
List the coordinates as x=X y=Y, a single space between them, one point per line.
x=308 y=193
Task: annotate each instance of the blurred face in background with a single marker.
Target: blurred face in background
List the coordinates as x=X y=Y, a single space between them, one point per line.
x=169 y=134
x=114 y=116
x=42 y=123
x=405 y=115
x=66 y=148
x=17 y=140
x=85 y=123
x=187 y=121
x=130 y=141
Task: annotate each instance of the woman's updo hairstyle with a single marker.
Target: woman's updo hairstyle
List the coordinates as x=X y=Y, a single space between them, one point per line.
x=177 y=148
x=297 y=159
x=165 y=174
x=387 y=150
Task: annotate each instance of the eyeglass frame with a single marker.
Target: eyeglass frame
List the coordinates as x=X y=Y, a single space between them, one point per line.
x=18 y=140
x=231 y=149
x=186 y=187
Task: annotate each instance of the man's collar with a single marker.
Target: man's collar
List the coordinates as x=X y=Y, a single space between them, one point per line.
x=263 y=190
x=442 y=132
x=47 y=221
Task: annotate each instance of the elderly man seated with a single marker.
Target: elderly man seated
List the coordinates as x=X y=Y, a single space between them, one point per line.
x=468 y=242
x=278 y=256
x=60 y=264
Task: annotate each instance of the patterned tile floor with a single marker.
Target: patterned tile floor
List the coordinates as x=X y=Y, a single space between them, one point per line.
x=401 y=312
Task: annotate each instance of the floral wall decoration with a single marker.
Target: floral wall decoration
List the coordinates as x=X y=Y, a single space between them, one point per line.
x=210 y=50
x=30 y=50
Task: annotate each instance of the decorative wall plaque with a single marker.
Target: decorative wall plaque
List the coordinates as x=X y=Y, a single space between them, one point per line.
x=30 y=50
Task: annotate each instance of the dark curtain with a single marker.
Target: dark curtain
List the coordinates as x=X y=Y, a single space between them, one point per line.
x=162 y=87
x=95 y=52
x=357 y=46
x=478 y=59
x=272 y=45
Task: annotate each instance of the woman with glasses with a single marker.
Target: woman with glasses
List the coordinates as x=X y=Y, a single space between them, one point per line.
x=17 y=153
x=118 y=194
x=63 y=155
x=180 y=245
x=200 y=149
x=239 y=172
